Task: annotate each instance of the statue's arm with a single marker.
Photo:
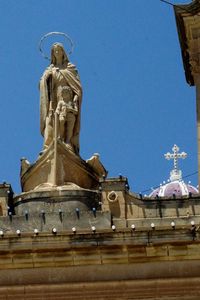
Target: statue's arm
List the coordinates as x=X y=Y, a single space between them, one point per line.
x=75 y=103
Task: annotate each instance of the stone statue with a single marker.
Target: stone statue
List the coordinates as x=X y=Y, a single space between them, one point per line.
x=61 y=93
x=67 y=109
x=59 y=163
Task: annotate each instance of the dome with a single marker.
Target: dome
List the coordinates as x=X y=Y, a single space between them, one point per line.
x=176 y=187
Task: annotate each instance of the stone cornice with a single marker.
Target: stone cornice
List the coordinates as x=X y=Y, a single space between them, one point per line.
x=188 y=25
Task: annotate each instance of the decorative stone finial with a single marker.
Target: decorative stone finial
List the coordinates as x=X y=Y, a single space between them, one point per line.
x=175 y=174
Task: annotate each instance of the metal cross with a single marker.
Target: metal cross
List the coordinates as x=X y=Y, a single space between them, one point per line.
x=175 y=156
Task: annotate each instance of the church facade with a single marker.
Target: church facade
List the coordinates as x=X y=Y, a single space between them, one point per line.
x=74 y=233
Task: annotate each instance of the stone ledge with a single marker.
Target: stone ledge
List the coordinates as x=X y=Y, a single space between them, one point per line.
x=88 y=274
x=173 y=289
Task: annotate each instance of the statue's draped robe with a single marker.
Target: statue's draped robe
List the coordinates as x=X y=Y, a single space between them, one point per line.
x=47 y=94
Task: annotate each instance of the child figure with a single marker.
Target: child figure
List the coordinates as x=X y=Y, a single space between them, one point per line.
x=67 y=109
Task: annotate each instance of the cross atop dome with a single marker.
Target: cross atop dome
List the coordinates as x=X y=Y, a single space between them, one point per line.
x=175 y=187
x=175 y=174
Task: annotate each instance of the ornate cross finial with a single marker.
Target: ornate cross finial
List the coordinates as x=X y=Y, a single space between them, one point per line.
x=175 y=174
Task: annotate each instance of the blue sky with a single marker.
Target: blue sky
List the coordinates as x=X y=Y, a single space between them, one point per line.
x=136 y=102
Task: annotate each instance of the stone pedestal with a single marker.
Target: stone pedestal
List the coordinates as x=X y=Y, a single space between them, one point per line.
x=66 y=198
x=58 y=169
x=60 y=207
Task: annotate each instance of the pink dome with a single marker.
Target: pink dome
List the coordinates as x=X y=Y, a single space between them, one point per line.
x=174 y=188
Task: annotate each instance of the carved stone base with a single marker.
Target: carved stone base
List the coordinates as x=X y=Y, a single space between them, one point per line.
x=50 y=170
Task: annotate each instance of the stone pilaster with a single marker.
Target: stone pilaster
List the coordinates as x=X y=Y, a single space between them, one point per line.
x=188 y=23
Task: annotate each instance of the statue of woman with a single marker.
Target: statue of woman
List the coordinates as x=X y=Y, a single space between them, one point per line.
x=60 y=79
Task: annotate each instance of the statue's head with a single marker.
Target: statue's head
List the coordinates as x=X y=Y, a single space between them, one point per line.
x=58 y=50
x=65 y=92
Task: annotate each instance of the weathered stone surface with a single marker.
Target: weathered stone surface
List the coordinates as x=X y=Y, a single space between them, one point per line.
x=160 y=289
x=59 y=265
x=68 y=199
